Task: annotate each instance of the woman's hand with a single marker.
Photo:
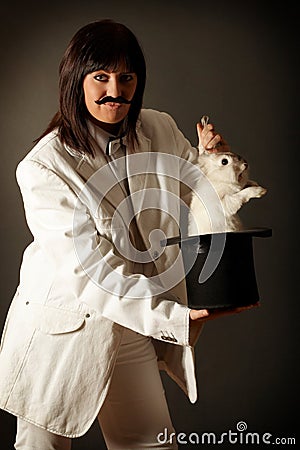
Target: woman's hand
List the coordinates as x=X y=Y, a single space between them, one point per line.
x=204 y=315
x=210 y=140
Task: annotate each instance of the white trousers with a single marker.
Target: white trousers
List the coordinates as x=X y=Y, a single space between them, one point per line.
x=135 y=410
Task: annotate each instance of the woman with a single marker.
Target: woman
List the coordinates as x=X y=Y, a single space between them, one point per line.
x=101 y=305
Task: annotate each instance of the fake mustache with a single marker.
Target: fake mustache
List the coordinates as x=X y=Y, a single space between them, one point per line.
x=109 y=99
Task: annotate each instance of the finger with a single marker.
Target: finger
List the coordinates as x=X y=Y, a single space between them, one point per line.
x=208 y=131
x=214 y=141
x=196 y=314
x=202 y=136
x=205 y=134
x=209 y=140
x=220 y=147
x=204 y=129
x=199 y=127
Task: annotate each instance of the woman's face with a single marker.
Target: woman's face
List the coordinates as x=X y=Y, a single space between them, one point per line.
x=104 y=93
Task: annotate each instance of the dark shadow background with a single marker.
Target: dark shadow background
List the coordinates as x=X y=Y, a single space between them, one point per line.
x=237 y=62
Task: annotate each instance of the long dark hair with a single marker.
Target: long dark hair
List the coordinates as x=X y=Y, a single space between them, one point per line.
x=100 y=45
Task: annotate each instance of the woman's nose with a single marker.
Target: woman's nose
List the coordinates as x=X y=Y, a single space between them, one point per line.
x=114 y=88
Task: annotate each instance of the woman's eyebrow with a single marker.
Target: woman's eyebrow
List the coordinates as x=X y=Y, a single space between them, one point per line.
x=115 y=71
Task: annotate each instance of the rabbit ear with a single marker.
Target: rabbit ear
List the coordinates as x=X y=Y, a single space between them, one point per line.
x=204 y=120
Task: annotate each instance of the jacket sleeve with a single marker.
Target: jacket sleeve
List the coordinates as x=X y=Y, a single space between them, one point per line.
x=49 y=205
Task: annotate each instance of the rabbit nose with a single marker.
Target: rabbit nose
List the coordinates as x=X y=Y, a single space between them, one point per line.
x=245 y=165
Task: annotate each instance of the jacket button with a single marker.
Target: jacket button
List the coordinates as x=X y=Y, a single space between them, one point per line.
x=27 y=303
x=87 y=315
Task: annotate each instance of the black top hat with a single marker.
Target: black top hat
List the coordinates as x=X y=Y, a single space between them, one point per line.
x=219 y=268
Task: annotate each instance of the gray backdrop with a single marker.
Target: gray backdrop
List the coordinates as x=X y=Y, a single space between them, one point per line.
x=235 y=61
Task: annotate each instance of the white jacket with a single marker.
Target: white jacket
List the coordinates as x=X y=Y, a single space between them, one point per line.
x=78 y=291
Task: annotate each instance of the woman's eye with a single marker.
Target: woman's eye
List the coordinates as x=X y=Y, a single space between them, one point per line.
x=126 y=77
x=224 y=161
x=100 y=77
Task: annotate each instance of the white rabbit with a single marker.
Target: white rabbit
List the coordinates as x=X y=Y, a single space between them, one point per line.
x=227 y=175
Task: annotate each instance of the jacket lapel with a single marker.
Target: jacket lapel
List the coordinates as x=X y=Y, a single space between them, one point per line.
x=155 y=200
x=145 y=189
x=138 y=166
x=101 y=181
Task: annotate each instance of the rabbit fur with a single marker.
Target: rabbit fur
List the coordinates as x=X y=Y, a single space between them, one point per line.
x=220 y=192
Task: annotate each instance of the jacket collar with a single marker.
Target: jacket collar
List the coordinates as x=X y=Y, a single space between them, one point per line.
x=107 y=142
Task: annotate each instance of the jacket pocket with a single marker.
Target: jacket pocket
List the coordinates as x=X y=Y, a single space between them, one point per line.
x=51 y=320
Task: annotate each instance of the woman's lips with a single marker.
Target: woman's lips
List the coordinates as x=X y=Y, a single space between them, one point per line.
x=113 y=105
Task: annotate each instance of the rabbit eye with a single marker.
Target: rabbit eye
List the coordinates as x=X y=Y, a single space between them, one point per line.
x=224 y=161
